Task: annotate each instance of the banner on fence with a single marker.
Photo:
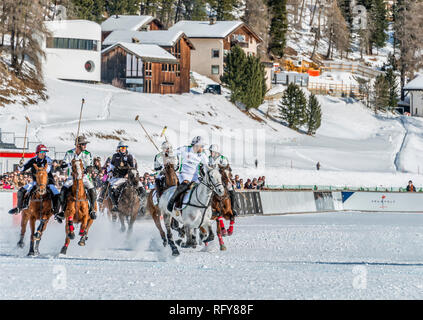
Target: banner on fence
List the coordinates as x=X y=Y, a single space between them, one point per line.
x=383 y=201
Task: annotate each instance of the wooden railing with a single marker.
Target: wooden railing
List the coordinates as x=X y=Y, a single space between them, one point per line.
x=334 y=89
x=352 y=67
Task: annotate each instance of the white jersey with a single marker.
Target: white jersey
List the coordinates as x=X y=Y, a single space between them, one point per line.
x=220 y=160
x=85 y=156
x=189 y=162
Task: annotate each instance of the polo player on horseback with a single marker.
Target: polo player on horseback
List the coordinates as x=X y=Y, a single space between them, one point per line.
x=217 y=159
x=41 y=160
x=78 y=153
x=121 y=163
x=160 y=180
x=189 y=158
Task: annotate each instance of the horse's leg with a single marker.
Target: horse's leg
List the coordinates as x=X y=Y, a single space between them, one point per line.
x=24 y=222
x=31 y=246
x=122 y=222
x=190 y=238
x=172 y=245
x=70 y=229
x=219 y=233
x=131 y=222
x=156 y=219
x=84 y=237
x=221 y=226
x=231 y=225
x=65 y=246
x=83 y=230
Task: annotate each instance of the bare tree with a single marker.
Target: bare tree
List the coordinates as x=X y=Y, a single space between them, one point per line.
x=258 y=18
x=408 y=26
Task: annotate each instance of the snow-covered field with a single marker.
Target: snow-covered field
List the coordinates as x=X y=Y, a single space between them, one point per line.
x=353 y=146
x=340 y=255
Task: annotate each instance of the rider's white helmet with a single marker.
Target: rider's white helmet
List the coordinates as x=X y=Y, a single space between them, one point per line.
x=214 y=148
x=166 y=146
x=197 y=141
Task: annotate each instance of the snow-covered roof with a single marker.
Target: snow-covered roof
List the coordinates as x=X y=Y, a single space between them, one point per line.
x=125 y=22
x=151 y=51
x=203 y=29
x=166 y=38
x=79 y=29
x=415 y=84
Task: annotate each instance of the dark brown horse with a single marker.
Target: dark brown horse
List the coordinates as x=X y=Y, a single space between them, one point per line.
x=171 y=180
x=129 y=201
x=77 y=209
x=40 y=208
x=222 y=209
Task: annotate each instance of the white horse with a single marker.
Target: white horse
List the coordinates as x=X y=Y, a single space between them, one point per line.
x=196 y=212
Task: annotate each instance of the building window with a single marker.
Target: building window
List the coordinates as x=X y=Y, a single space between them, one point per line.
x=134 y=66
x=89 y=66
x=178 y=70
x=148 y=69
x=71 y=43
x=215 y=53
x=215 y=69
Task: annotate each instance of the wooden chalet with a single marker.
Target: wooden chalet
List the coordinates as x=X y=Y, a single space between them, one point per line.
x=167 y=71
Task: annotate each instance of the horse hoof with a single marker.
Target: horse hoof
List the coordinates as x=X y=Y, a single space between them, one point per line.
x=178 y=242
x=81 y=243
x=31 y=254
x=224 y=232
x=21 y=244
x=37 y=236
x=71 y=235
x=230 y=233
x=222 y=247
x=175 y=253
x=63 y=251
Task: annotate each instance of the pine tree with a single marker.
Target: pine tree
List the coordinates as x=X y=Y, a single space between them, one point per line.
x=223 y=9
x=380 y=99
x=233 y=77
x=278 y=27
x=254 y=84
x=379 y=24
x=313 y=115
x=292 y=106
x=393 y=89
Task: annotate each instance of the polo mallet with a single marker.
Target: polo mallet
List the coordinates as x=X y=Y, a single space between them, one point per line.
x=79 y=123
x=137 y=118
x=26 y=131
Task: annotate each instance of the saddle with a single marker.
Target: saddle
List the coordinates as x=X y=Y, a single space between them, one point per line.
x=180 y=198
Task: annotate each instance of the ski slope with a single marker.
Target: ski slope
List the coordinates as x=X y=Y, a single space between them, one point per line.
x=340 y=255
x=353 y=146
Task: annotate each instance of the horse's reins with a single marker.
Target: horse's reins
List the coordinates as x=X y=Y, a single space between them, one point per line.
x=209 y=201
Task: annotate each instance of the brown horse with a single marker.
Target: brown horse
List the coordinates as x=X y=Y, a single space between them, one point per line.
x=222 y=209
x=77 y=209
x=40 y=208
x=171 y=180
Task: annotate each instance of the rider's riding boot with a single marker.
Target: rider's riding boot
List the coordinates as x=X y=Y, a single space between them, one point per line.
x=56 y=203
x=114 y=195
x=179 y=190
x=234 y=203
x=158 y=187
x=21 y=195
x=63 y=198
x=92 y=200
x=103 y=192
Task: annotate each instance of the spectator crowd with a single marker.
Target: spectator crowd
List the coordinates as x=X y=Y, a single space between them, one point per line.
x=15 y=180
